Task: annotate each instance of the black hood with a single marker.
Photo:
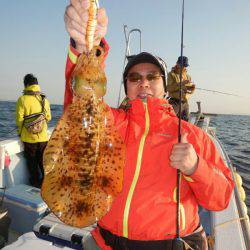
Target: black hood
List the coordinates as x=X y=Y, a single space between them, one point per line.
x=145 y=57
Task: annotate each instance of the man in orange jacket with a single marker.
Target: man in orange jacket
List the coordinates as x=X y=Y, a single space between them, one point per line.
x=143 y=216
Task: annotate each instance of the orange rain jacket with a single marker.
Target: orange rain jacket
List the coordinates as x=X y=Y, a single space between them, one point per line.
x=146 y=207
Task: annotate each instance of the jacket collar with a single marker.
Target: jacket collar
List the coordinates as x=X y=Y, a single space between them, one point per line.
x=33 y=88
x=156 y=106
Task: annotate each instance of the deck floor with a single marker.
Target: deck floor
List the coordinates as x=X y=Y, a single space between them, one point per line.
x=13 y=236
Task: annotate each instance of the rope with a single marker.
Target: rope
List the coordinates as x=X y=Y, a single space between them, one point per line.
x=211 y=238
x=230 y=221
x=186 y=245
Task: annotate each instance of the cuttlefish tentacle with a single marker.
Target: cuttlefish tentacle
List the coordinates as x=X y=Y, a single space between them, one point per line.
x=91 y=24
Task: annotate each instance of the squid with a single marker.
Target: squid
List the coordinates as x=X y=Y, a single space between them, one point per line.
x=85 y=156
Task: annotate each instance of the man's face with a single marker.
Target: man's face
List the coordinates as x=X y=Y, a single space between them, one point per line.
x=144 y=80
x=179 y=67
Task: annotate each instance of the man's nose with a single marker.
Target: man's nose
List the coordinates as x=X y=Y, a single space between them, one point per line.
x=144 y=82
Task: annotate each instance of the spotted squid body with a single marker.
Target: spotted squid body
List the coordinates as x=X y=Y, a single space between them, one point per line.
x=84 y=158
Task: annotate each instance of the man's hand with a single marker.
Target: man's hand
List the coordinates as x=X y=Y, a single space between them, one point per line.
x=184 y=157
x=191 y=87
x=76 y=18
x=185 y=82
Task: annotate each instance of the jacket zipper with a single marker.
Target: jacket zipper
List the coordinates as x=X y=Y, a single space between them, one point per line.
x=136 y=175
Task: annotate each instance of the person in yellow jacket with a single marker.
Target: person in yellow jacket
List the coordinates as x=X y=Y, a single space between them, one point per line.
x=173 y=88
x=32 y=115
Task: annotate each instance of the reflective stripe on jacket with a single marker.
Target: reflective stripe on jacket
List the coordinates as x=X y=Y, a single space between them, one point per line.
x=146 y=207
x=31 y=104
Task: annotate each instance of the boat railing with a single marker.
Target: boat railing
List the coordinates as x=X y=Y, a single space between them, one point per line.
x=127 y=34
x=13 y=169
x=233 y=221
x=242 y=213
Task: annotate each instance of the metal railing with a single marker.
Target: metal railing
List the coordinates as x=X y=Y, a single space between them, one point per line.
x=127 y=34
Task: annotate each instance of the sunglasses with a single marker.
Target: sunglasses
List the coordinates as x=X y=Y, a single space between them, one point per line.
x=137 y=78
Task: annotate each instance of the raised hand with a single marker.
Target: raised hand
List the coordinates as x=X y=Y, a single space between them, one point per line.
x=76 y=17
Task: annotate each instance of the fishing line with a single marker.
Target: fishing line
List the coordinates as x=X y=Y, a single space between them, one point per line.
x=223 y=93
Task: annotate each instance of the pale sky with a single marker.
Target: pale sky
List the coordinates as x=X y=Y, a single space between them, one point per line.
x=216 y=38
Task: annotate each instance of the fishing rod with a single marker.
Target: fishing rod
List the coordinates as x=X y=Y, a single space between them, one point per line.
x=178 y=240
x=9 y=132
x=219 y=92
x=3 y=124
